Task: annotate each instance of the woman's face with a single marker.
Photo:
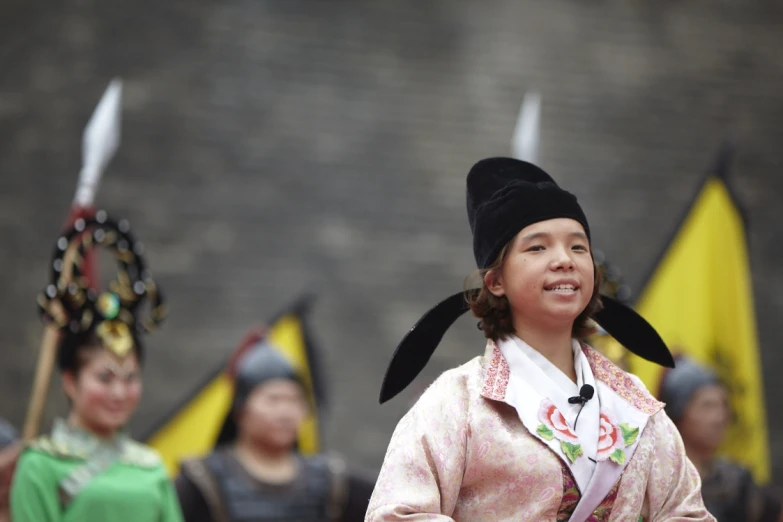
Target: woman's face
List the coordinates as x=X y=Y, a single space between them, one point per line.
x=706 y=418
x=548 y=274
x=106 y=391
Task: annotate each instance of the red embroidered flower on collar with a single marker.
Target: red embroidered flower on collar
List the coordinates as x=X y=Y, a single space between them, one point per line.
x=554 y=425
x=551 y=417
x=613 y=438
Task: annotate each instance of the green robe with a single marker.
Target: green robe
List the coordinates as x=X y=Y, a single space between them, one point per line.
x=71 y=476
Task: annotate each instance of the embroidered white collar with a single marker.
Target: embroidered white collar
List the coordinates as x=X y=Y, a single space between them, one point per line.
x=530 y=366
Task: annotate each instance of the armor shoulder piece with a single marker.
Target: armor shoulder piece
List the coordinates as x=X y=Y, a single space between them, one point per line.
x=199 y=474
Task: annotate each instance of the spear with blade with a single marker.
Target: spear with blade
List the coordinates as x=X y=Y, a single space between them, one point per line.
x=524 y=143
x=99 y=143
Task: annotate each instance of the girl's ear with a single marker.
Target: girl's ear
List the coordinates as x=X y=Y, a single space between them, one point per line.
x=494 y=283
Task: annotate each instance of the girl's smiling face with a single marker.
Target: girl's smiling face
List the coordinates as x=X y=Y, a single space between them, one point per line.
x=548 y=275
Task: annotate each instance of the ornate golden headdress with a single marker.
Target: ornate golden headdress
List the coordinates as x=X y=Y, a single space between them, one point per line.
x=74 y=303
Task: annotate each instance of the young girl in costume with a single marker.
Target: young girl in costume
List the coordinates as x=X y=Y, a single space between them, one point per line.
x=87 y=468
x=541 y=427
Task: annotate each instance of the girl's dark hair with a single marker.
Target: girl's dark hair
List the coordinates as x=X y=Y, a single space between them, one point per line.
x=75 y=350
x=494 y=313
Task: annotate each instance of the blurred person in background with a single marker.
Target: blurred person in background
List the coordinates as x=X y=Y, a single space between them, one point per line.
x=88 y=469
x=698 y=403
x=9 y=450
x=256 y=472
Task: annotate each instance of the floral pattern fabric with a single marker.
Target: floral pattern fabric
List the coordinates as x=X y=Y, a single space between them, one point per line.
x=570 y=498
x=613 y=438
x=461 y=455
x=554 y=425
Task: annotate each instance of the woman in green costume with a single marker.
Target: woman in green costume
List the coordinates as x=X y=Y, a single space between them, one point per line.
x=88 y=469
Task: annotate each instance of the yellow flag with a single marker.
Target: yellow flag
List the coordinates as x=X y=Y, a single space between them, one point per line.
x=700 y=300
x=192 y=430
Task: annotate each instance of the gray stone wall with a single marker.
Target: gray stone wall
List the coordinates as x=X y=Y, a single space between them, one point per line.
x=271 y=148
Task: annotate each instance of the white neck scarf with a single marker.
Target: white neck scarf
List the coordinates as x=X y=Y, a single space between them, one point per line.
x=531 y=366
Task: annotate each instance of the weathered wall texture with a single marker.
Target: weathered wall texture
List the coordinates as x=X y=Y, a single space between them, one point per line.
x=275 y=147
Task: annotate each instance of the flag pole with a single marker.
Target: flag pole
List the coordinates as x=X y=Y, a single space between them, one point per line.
x=99 y=144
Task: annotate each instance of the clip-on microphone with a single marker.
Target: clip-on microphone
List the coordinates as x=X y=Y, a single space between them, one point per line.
x=586 y=393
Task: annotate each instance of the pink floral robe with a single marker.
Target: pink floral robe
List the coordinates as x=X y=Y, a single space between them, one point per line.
x=476 y=448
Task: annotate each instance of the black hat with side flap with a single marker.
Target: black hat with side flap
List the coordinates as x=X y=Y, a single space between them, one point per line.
x=505 y=195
